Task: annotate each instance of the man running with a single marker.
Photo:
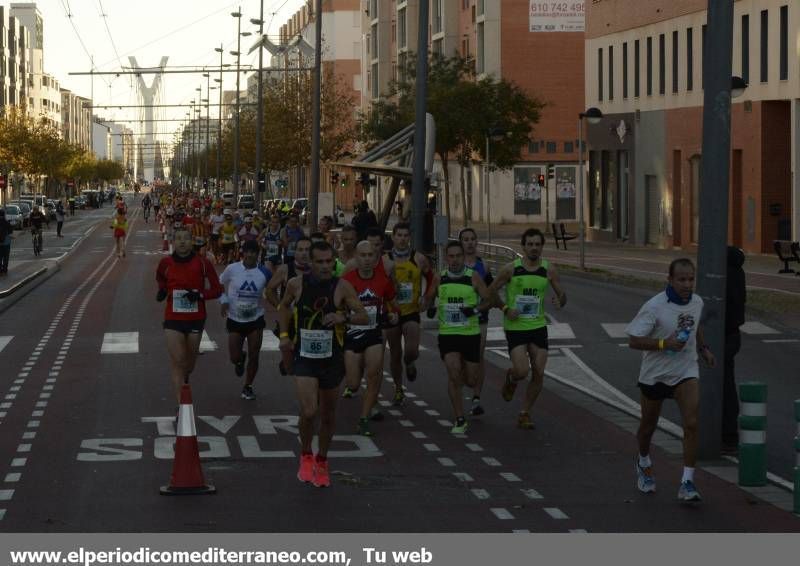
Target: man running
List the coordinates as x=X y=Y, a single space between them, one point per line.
x=667 y=329
x=526 y=280
x=462 y=295
x=409 y=268
x=227 y=239
x=270 y=240
x=146 y=204
x=363 y=344
x=290 y=234
x=286 y=272
x=348 y=240
x=469 y=240
x=317 y=305
x=242 y=306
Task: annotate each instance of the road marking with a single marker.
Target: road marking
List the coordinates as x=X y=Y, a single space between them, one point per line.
x=395 y=413
x=432 y=412
x=521 y=531
x=531 y=494
x=11 y=396
x=752 y=327
x=41 y=404
x=418 y=434
x=410 y=395
x=13 y=477
x=480 y=493
x=492 y=462
x=14 y=388
x=419 y=403
x=615 y=329
x=445 y=423
x=120 y=343
x=270 y=342
x=24 y=374
x=207 y=344
x=6 y=494
x=508 y=476
x=37 y=414
x=461 y=476
x=556 y=513
x=18 y=462
x=474 y=447
x=578 y=531
x=432 y=448
x=33 y=424
x=502 y=513
x=24 y=448
x=384 y=403
x=446 y=462
x=500 y=352
x=28 y=435
x=784 y=341
x=406 y=424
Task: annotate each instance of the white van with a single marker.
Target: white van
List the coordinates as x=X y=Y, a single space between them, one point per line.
x=38 y=200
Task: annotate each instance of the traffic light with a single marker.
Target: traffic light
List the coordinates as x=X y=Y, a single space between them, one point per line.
x=551 y=172
x=334 y=177
x=363 y=178
x=262 y=182
x=541 y=180
x=343 y=181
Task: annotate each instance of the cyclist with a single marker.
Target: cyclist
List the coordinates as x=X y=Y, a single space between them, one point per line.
x=37 y=220
x=146 y=203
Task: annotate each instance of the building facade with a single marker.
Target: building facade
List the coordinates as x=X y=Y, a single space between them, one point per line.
x=76 y=119
x=14 y=60
x=644 y=70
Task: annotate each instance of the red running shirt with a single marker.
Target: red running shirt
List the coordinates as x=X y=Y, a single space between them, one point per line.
x=176 y=274
x=373 y=293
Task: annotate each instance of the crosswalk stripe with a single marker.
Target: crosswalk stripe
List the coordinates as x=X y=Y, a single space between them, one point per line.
x=615 y=329
x=4 y=340
x=270 y=342
x=207 y=344
x=120 y=343
x=757 y=328
x=555 y=331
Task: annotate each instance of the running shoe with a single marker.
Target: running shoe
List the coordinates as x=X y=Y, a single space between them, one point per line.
x=376 y=415
x=645 y=480
x=347 y=393
x=306 y=471
x=524 y=422
x=399 y=397
x=363 y=427
x=322 y=477
x=509 y=387
x=240 y=364
x=460 y=427
x=411 y=372
x=247 y=393
x=476 y=409
x=688 y=492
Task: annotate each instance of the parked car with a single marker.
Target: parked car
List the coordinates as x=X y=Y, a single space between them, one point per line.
x=50 y=208
x=25 y=209
x=38 y=200
x=80 y=201
x=227 y=199
x=246 y=203
x=14 y=216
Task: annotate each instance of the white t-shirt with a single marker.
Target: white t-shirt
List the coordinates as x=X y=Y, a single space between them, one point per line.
x=217 y=220
x=243 y=291
x=659 y=319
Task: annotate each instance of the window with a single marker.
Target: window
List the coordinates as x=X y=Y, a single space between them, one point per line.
x=764 y=46
x=675 y=61
x=625 y=71
x=533 y=147
x=746 y=48
x=375 y=90
x=689 y=61
x=551 y=147
x=703 y=57
x=401 y=28
x=569 y=147
x=636 y=67
x=611 y=72
x=662 y=63
x=649 y=63
x=784 y=39
x=600 y=74
x=481 y=63
x=437 y=16
x=437 y=46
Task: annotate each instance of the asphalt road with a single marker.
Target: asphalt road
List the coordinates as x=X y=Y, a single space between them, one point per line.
x=88 y=433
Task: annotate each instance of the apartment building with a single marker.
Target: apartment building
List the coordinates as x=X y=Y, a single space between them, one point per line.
x=505 y=39
x=76 y=119
x=644 y=70
x=14 y=60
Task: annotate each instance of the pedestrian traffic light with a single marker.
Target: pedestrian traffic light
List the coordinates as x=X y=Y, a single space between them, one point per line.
x=334 y=177
x=363 y=178
x=343 y=181
x=541 y=180
x=262 y=182
x=551 y=172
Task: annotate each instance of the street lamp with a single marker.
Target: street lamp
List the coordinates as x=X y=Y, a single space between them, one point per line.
x=593 y=116
x=219 y=50
x=238 y=54
x=260 y=117
x=493 y=134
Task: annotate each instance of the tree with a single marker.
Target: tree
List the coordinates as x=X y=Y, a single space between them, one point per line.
x=464 y=109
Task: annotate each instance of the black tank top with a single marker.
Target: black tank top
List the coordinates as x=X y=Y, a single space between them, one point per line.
x=316 y=300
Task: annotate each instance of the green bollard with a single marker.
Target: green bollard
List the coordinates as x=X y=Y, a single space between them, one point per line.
x=797 y=459
x=753 y=434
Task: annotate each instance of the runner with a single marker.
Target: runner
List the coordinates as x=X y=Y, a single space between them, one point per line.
x=247 y=233
x=348 y=240
x=317 y=305
x=667 y=329
x=244 y=284
x=146 y=204
x=469 y=239
x=526 y=280
x=409 y=268
x=120 y=227
x=290 y=234
x=270 y=240
x=364 y=344
x=187 y=281
x=227 y=238
x=288 y=271
x=460 y=290
x=217 y=220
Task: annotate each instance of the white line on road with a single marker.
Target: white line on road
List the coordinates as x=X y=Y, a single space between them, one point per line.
x=13 y=477
x=28 y=435
x=502 y=513
x=446 y=462
x=4 y=340
x=461 y=476
x=418 y=434
x=395 y=413
x=406 y=424
x=18 y=462
x=432 y=448
x=531 y=494
x=432 y=412
x=492 y=462
x=445 y=423
x=784 y=341
x=474 y=447
x=556 y=513
x=480 y=493
x=6 y=494
x=120 y=343
x=24 y=448
x=508 y=476
x=419 y=403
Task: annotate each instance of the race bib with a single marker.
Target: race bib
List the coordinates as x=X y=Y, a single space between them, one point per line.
x=247 y=310
x=527 y=306
x=199 y=241
x=372 y=312
x=405 y=293
x=453 y=315
x=316 y=344
x=290 y=249
x=181 y=304
x=272 y=249
x=227 y=238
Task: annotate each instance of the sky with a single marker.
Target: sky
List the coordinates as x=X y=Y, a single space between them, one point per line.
x=185 y=30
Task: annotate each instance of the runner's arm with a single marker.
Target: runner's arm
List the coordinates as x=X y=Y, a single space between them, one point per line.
x=285 y=307
x=270 y=292
x=483 y=292
x=503 y=277
x=215 y=289
x=555 y=282
x=346 y=296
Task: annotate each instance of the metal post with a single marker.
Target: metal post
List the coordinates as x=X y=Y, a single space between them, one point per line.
x=219 y=126
x=316 y=102
x=796 y=508
x=418 y=192
x=712 y=265
x=260 y=116
x=753 y=434
x=236 y=140
x=488 y=196
x=208 y=129
x=582 y=227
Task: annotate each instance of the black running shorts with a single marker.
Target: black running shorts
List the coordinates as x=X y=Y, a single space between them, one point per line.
x=536 y=337
x=468 y=346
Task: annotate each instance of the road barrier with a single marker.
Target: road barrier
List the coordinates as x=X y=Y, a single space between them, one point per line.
x=797 y=458
x=753 y=434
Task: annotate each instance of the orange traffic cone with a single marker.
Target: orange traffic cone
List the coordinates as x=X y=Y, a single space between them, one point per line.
x=187 y=475
x=165 y=247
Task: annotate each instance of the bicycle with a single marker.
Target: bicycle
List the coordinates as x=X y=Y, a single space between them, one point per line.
x=36 y=235
x=146 y=213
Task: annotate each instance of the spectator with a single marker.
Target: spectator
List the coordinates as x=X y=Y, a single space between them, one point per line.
x=59 y=217
x=363 y=220
x=735 y=299
x=6 y=234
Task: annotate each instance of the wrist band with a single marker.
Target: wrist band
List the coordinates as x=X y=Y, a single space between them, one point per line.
x=284 y=335
x=505 y=308
x=661 y=344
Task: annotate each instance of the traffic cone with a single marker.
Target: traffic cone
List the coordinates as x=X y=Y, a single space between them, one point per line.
x=165 y=247
x=187 y=475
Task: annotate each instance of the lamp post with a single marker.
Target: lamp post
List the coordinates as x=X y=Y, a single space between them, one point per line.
x=593 y=116
x=238 y=53
x=207 y=100
x=315 y=116
x=260 y=116
x=495 y=134
x=219 y=50
x=197 y=128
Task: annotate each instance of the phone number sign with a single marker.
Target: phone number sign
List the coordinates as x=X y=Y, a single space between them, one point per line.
x=556 y=16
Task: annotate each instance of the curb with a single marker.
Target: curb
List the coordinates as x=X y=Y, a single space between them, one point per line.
x=6 y=292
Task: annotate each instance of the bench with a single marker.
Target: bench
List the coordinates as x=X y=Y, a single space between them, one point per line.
x=787 y=251
x=563 y=235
